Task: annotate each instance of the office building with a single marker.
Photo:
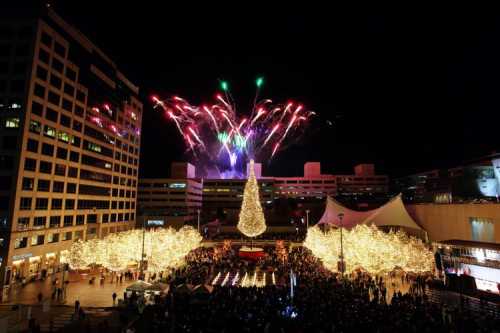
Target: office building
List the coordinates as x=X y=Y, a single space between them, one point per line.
x=70 y=138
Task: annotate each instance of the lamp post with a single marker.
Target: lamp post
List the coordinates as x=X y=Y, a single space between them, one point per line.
x=307 y=219
x=341 y=216
x=142 y=253
x=198 y=211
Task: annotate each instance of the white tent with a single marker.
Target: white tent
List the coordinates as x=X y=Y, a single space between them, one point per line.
x=392 y=214
x=350 y=219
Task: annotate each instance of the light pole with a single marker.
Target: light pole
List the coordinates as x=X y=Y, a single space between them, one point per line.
x=307 y=219
x=198 y=220
x=341 y=216
x=142 y=253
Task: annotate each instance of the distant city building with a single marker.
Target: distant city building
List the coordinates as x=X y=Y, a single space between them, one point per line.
x=475 y=180
x=221 y=198
x=169 y=201
x=70 y=137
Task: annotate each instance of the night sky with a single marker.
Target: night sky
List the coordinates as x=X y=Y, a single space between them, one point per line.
x=408 y=92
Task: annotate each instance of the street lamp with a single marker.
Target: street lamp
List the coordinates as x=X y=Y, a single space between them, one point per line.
x=307 y=219
x=342 y=268
x=198 y=210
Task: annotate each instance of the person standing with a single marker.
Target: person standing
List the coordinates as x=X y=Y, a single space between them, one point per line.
x=114 y=298
x=77 y=306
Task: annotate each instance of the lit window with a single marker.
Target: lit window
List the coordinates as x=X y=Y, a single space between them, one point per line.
x=50 y=131
x=12 y=123
x=62 y=136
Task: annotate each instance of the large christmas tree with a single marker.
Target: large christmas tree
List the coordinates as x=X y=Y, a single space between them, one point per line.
x=252 y=222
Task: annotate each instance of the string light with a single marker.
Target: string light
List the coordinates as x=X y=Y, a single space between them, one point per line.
x=251 y=221
x=370 y=249
x=163 y=249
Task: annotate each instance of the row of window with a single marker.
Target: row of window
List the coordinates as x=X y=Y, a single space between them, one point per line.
x=40 y=222
x=26 y=203
x=36 y=240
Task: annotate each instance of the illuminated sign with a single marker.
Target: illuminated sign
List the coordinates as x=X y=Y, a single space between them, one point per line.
x=177 y=185
x=156 y=223
x=21 y=256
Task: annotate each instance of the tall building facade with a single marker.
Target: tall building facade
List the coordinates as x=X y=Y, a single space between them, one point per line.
x=70 y=141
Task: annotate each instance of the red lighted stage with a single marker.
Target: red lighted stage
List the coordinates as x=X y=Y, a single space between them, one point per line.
x=254 y=253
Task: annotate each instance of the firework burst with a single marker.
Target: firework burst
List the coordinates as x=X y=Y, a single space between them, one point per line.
x=218 y=133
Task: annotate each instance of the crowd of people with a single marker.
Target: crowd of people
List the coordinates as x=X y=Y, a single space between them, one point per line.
x=322 y=301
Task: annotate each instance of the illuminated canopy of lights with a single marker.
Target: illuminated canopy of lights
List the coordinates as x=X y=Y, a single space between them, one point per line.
x=370 y=249
x=163 y=249
x=252 y=221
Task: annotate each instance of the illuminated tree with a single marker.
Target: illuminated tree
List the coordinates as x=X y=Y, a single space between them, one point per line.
x=251 y=222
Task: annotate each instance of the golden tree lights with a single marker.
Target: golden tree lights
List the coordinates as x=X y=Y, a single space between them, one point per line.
x=163 y=249
x=251 y=222
x=370 y=249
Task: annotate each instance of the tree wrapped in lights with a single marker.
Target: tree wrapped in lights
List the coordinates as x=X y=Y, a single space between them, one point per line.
x=163 y=249
x=370 y=249
x=251 y=221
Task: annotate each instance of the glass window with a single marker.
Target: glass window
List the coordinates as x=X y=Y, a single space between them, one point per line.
x=29 y=164
x=25 y=203
x=80 y=219
x=44 y=56
x=66 y=235
x=37 y=108
x=60 y=170
x=35 y=127
x=53 y=238
x=45 y=167
x=70 y=188
x=39 y=222
x=59 y=49
x=49 y=131
x=56 y=204
x=58 y=187
x=65 y=121
x=55 y=81
x=62 y=153
x=57 y=65
x=67 y=105
x=42 y=203
x=21 y=243
x=80 y=96
x=37 y=240
x=41 y=73
x=72 y=172
x=23 y=223
x=69 y=204
x=51 y=114
x=43 y=185
x=74 y=156
x=28 y=184
x=32 y=145
x=70 y=74
x=63 y=136
x=12 y=122
x=39 y=90
x=78 y=110
x=68 y=220
x=77 y=126
x=55 y=221
x=47 y=149
x=46 y=39
x=69 y=89
x=54 y=98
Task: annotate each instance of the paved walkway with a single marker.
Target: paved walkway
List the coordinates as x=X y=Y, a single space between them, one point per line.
x=89 y=295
